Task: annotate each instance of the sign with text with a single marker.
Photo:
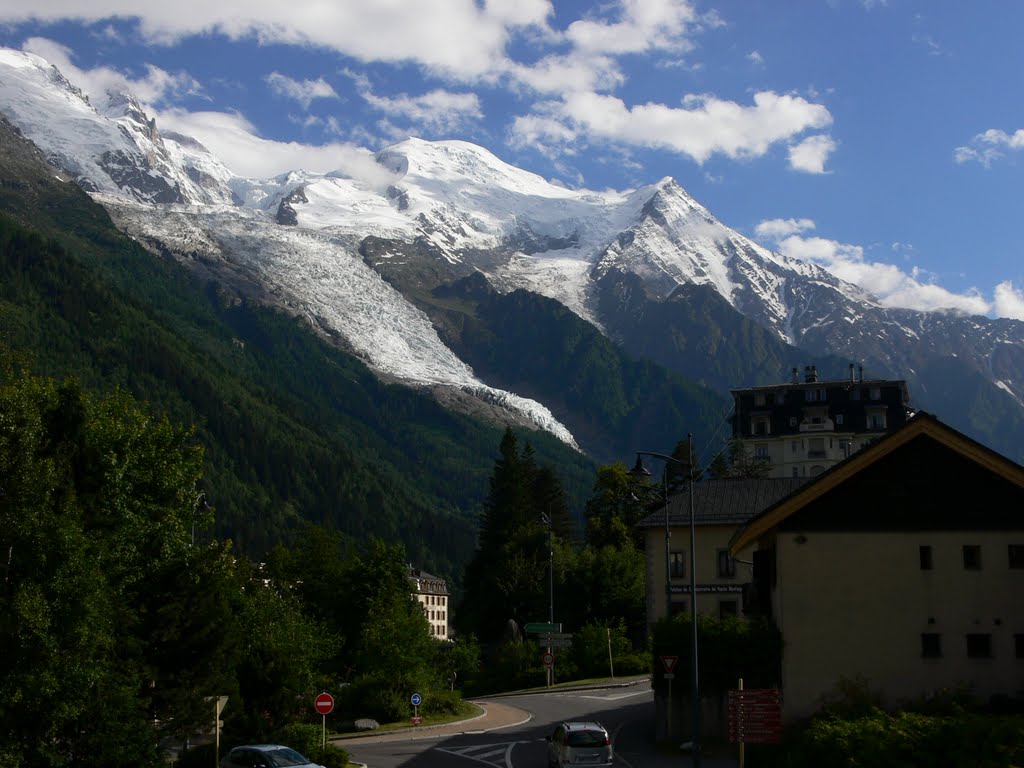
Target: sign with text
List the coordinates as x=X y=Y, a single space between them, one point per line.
x=542 y=626
x=755 y=716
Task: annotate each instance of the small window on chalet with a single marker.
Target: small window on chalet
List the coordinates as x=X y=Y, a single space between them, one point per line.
x=839 y=419
x=759 y=398
x=979 y=646
x=931 y=645
x=814 y=395
x=1018 y=646
x=972 y=557
x=677 y=565
x=761 y=453
x=925 y=555
x=875 y=393
x=726 y=565
x=876 y=420
x=1016 y=554
x=792 y=421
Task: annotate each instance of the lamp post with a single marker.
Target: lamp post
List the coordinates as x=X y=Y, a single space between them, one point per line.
x=640 y=471
x=551 y=584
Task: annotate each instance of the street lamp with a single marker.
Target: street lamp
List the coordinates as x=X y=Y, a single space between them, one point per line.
x=546 y=518
x=640 y=471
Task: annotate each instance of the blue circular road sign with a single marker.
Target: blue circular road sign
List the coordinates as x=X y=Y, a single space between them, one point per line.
x=416 y=699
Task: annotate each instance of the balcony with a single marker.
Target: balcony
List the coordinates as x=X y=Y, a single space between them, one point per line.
x=822 y=426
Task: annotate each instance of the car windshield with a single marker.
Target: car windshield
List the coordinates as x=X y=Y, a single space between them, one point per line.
x=585 y=739
x=281 y=758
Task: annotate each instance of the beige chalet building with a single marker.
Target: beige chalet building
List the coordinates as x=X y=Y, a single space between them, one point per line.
x=720 y=507
x=903 y=565
x=431 y=592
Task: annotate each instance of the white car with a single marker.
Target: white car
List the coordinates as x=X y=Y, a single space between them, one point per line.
x=579 y=742
x=265 y=756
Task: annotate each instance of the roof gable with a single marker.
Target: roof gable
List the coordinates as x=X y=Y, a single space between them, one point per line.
x=924 y=460
x=723 y=501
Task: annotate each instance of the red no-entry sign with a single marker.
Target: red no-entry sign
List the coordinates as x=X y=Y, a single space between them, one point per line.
x=324 y=703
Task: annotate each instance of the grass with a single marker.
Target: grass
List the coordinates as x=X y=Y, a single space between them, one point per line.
x=466 y=710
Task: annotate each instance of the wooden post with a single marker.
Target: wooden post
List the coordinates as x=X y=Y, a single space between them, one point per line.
x=741 y=719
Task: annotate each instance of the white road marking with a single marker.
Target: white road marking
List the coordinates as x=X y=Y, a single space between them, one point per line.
x=486 y=753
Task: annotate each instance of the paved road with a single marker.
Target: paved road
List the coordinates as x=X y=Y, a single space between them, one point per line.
x=512 y=733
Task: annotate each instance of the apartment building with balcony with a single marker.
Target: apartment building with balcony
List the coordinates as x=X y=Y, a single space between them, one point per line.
x=431 y=592
x=803 y=427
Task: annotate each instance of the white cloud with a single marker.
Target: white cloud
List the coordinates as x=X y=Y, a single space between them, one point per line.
x=302 y=91
x=438 y=110
x=156 y=87
x=232 y=139
x=987 y=147
x=1009 y=301
x=889 y=283
x=811 y=154
x=643 y=25
x=755 y=58
x=457 y=37
x=703 y=126
x=774 y=230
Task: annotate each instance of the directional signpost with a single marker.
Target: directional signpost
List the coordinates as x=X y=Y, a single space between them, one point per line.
x=219 y=702
x=755 y=716
x=536 y=627
x=555 y=639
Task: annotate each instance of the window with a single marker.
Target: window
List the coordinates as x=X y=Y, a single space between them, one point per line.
x=761 y=453
x=1018 y=646
x=876 y=420
x=796 y=471
x=972 y=557
x=925 y=555
x=759 y=398
x=792 y=421
x=979 y=646
x=794 y=446
x=855 y=394
x=931 y=645
x=816 y=448
x=727 y=608
x=677 y=565
x=1016 y=554
x=839 y=419
x=814 y=395
x=875 y=393
x=726 y=565
x=762 y=426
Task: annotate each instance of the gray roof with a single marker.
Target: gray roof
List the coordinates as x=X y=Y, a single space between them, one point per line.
x=723 y=501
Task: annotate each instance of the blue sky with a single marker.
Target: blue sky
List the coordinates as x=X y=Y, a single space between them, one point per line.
x=883 y=139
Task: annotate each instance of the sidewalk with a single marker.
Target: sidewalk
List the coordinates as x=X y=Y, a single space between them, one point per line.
x=495 y=716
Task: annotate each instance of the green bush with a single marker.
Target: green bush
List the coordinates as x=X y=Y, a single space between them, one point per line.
x=910 y=740
x=307 y=738
x=441 y=702
x=199 y=756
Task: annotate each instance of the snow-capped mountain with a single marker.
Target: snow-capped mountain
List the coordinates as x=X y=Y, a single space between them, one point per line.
x=345 y=252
